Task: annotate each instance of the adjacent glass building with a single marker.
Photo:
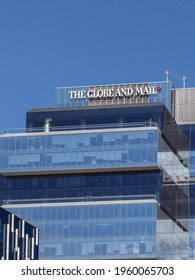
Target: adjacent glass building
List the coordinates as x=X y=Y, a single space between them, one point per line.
x=105 y=174
x=19 y=240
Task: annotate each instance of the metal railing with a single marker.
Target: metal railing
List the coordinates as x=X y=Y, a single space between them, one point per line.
x=78 y=199
x=80 y=127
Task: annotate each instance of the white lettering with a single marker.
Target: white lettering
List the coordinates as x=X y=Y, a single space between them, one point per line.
x=117 y=93
x=91 y=94
x=146 y=91
x=77 y=94
x=82 y=94
x=139 y=91
x=71 y=94
x=110 y=93
x=123 y=91
x=100 y=94
x=152 y=90
x=129 y=92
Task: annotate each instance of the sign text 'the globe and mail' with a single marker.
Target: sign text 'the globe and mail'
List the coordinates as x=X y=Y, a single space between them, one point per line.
x=114 y=93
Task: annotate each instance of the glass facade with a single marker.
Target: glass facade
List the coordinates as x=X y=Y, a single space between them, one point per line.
x=172 y=240
x=89 y=150
x=79 y=150
x=2 y=238
x=104 y=175
x=97 y=117
x=18 y=239
x=63 y=186
x=113 y=230
x=189 y=130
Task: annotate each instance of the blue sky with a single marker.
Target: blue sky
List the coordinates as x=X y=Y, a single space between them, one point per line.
x=50 y=43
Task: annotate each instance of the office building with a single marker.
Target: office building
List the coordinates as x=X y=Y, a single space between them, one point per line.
x=105 y=174
x=18 y=239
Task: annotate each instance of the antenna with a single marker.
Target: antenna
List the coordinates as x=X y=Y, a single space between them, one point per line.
x=168 y=73
x=183 y=79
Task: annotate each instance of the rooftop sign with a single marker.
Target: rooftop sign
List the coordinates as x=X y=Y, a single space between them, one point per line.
x=116 y=94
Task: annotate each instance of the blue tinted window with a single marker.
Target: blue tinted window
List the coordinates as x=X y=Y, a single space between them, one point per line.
x=79 y=151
